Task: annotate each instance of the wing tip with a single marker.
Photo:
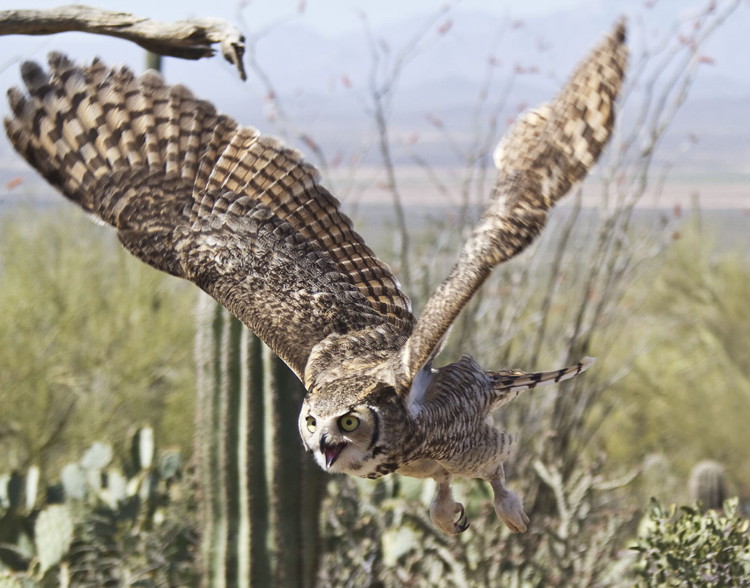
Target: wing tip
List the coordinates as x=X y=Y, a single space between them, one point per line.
x=620 y=32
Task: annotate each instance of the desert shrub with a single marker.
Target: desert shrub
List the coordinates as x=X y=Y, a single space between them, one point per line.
x=682 y=547
x=92 y=342
x=690 y=374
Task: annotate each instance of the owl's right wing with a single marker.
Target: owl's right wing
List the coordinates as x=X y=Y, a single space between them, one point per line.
x=194 y=194
x=541 y=157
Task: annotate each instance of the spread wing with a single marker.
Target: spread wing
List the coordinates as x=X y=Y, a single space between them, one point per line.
x=542 y=156
x=194 y=194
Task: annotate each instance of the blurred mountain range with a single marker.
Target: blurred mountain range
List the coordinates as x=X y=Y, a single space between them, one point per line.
x=466 y=70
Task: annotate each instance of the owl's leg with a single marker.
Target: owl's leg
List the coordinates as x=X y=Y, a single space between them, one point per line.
x=508 y=505
x=447 y=515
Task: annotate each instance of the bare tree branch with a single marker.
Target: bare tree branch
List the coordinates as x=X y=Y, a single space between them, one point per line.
x=385 y=73
x=186 y=39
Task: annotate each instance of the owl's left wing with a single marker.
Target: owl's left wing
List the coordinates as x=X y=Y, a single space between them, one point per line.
x=542 y=156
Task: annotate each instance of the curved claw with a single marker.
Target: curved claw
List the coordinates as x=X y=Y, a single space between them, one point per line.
x=447 y=515
x=461 y=523
x=451 y=520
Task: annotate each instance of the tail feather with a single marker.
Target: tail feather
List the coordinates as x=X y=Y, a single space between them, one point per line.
x=508 y=384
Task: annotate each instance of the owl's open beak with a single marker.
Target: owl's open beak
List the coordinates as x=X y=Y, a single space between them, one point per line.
x=331 y=451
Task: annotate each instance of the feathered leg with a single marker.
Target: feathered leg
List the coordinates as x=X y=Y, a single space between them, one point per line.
x=508 y=505
x=448 y=515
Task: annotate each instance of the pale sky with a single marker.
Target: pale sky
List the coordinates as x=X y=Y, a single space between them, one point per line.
x=336 y=16
x=325 y=16
x=728 y=52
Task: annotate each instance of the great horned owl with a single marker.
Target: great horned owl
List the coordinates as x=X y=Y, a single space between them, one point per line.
x=194 y=194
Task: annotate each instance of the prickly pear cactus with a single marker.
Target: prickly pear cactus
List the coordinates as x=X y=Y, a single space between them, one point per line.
x=73 y=478
x=97 y=457
x=17 y=581
x=105 y=522
x=143 y=448
x=53 y=535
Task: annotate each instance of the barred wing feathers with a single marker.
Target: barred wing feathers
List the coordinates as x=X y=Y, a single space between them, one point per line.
x=541 y=157
x=194 y=194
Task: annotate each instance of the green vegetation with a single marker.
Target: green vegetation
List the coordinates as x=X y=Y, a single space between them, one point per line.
x=260 y=493
x=687 y=548
x=692 y=372
x=93 y=343
x=103 y=523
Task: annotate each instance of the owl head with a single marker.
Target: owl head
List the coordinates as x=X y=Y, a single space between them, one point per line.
x=354 y=428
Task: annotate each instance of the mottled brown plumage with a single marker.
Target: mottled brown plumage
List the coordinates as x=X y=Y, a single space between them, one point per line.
x=194 y=194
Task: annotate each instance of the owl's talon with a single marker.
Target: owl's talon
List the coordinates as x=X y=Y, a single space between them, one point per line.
x=509 y=508
x=446 y=514
x=461 y=523
x=458 y=523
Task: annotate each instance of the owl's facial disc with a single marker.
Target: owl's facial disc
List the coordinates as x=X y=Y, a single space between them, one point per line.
x=341 y=443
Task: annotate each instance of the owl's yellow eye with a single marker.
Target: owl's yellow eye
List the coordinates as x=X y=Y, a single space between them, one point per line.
x=311 y=424
x=348 y=423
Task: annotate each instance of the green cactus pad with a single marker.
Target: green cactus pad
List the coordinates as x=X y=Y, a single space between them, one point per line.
x=53 y=535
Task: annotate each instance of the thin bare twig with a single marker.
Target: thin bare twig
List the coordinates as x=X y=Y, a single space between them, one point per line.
x=384 y=76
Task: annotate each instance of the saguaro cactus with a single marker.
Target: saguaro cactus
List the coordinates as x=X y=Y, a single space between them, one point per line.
x=260 y=493
x=708 y=484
